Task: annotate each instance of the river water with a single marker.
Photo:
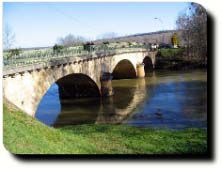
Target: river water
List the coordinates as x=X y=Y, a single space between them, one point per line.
x=163 y=99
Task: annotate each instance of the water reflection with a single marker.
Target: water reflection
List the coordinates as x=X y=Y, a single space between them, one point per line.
x=126 y=101
x=49 y=107
x=79 y=111
x=162 y=99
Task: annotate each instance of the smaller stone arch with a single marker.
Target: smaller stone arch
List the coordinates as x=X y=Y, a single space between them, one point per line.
x=124 y=69
x=148 y=64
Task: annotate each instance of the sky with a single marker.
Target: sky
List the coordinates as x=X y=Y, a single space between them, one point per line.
x=38 y=24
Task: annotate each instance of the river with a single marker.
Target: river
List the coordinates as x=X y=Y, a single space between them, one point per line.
x=163 y=99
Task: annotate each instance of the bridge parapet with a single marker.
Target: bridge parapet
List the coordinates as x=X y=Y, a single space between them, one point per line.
x=36 y=56
x=20 y=65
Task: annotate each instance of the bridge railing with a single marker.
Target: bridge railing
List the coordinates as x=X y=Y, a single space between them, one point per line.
x=30 y=58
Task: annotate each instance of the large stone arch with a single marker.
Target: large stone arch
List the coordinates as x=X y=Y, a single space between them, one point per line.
x=35 y=84
x=77 y=85
x=46 y=78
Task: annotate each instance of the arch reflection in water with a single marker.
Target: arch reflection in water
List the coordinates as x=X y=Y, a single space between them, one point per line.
x=110 y=110
x=64 y=93
x=78 y=111
x=162 y=99
x=129 y=96
x=55 y=111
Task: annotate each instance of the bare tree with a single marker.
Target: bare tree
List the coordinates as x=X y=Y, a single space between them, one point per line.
x=194 y=31
x=71 y=40
x=8 y=37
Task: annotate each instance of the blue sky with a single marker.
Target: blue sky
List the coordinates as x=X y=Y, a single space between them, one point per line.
x=40 y=24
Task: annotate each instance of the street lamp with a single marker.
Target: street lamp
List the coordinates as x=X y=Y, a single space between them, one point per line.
x=160 y=20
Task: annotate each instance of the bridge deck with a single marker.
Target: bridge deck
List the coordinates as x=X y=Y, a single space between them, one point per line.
x=63 y=60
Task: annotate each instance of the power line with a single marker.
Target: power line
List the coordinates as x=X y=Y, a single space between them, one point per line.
x=86 y=25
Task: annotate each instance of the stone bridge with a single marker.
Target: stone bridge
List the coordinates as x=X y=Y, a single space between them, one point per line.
x=76 y=76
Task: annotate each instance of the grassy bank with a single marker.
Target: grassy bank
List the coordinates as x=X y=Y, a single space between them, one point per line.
x=23 y=134
x=175 y=59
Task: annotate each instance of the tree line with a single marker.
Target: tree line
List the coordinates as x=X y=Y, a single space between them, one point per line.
x=193 y=24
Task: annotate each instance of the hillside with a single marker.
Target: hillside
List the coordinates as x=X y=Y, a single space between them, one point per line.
x=152 y=37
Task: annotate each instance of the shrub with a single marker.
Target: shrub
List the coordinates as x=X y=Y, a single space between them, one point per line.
x=106 y=43
x=57 y=48
x=88 y=46
x=171 y=53
x=14 y=52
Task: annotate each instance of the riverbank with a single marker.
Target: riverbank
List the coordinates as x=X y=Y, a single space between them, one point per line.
x=174 y=59
x=25 y=135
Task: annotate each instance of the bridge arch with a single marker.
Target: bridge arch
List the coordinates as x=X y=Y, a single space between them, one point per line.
x=148 y=63
x=71 y=86
x=77 y=85
x=124 y=69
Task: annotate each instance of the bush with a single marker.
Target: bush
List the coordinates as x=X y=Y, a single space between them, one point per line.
x=14 y=52
x=88 y=46
x=106 y=43
x=57 y=48
x=171 y=53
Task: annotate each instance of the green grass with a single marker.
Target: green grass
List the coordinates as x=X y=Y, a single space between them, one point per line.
x=23 y=134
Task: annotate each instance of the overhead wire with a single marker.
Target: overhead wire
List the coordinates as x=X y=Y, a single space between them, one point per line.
x=74 y=19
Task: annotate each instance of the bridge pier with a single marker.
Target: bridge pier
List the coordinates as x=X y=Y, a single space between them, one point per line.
x=140 y=70
x=106 y=85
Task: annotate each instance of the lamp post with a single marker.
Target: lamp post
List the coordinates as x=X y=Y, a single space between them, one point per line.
x=160 y=20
